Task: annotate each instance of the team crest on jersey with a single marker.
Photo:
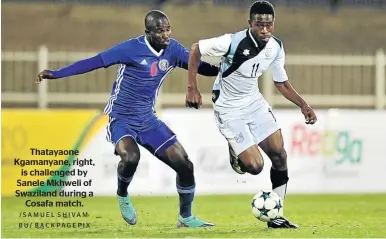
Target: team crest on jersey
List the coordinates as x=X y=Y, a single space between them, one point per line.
x=163 y=65
x=246 y=52
x=268 y=52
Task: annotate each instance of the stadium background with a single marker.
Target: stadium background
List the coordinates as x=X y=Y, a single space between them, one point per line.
x=335 y=59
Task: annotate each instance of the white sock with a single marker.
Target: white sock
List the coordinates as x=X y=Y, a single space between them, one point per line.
x=281 y=190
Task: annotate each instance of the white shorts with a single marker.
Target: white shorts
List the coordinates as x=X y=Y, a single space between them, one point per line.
x=243 y=131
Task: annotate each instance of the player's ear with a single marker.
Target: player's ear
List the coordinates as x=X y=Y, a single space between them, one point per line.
x=249 y=22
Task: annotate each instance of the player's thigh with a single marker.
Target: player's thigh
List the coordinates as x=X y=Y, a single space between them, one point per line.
x=268 y=136
x=236 y=132
x=123 y=138
x=273 y=146
x=263 y=126
x=273 y=143
x=158 y=139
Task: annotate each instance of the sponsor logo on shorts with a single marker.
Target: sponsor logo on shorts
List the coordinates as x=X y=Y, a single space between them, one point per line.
x=239 y=138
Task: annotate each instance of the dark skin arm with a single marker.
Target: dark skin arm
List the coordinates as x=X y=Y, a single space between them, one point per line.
x=289 y=93
x=193 y=96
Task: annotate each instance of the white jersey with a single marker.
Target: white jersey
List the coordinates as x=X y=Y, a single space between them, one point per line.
x=243 y=62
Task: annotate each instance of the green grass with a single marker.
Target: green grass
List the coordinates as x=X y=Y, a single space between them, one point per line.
x=319 y=216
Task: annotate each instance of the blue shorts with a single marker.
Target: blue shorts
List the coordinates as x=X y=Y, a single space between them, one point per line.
x=155 y=140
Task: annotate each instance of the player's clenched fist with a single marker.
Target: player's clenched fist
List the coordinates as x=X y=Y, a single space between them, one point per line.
x=309 y=114
x=193 y=98
x=43 y=75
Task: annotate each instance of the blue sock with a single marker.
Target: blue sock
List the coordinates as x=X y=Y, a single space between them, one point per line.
x=123 y=184
x=186 y=198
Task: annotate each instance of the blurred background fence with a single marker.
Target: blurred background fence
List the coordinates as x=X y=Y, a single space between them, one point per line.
x=324 y=80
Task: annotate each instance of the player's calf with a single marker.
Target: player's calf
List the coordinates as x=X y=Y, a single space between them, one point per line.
x=278 y=158
x=185 y=171
x=279 y=173
x=176 y=157
x=128 y=151
x=185 y=187
x=126 y=169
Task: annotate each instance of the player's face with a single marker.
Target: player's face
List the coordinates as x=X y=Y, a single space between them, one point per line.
x=160 y=35
x=262 y=26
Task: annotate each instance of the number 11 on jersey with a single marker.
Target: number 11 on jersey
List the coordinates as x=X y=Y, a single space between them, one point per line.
x=254 y=69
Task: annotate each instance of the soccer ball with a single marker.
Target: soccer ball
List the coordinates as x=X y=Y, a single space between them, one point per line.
x=267 y=205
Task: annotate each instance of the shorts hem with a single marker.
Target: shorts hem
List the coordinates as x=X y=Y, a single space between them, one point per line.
x=166 y=144
x=269 y=133
x=115 y=143
x=238 y=152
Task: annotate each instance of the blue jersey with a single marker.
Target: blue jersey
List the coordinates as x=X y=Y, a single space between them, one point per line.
x=140 y=74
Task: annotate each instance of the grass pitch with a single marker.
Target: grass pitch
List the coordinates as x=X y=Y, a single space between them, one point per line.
x=318 y=215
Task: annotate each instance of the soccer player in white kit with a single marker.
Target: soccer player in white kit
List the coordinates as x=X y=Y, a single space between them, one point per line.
x=242 y=114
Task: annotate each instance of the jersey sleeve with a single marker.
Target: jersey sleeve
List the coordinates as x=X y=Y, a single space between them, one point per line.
x=182 y=61
x=181 y=55
x=118 y=54
x=279 y=73
x=217 y=46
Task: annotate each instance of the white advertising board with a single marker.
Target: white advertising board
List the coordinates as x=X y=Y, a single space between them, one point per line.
x=345 y=152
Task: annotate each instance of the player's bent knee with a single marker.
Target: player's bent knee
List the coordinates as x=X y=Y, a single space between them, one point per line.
x=252 y=161
x=128 y=151
x=129 y=157
x=255 y=168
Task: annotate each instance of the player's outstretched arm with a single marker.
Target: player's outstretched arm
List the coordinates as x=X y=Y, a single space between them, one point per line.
x=115 y=55
x=79 y=67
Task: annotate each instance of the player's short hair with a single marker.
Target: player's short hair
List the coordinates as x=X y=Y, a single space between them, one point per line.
x=261 y=7
x=153 y=16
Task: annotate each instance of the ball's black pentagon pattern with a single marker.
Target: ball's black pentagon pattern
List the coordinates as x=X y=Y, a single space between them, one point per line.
x=253 y=203
x=278 y=205
x=263 y=211
x=265 y=195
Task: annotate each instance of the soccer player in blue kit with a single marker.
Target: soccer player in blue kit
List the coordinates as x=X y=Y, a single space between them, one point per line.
x=144 y=63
